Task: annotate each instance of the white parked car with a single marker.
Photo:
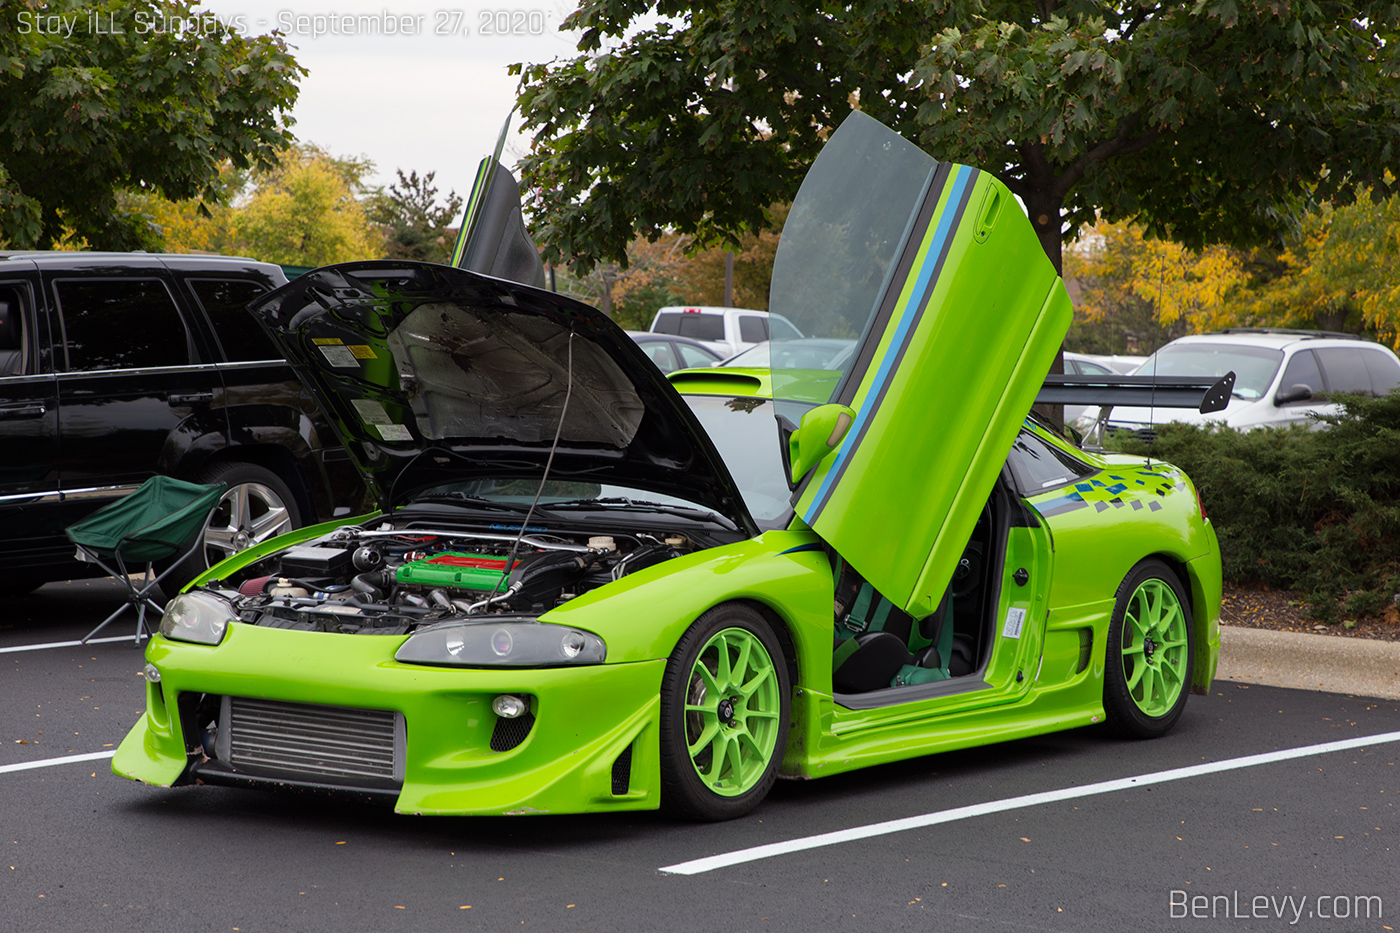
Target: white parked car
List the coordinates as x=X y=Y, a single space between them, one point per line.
x=727 y=331
x=1282 y=377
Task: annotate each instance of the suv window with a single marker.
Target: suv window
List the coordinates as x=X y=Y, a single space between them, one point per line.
x=1385 y=372
x=1302 y=370
x=1038 y=466
x=752 y=328
x=1346 y=370
x=13 y=338
x=226 y=302
x=118 y=323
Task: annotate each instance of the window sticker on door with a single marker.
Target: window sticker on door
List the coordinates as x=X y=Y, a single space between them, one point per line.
x=1014 y=619
x=393 y=432
x=371 y=411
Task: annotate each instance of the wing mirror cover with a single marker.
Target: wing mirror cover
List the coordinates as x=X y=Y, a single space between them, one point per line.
x=821 y=431
x=1298 y=392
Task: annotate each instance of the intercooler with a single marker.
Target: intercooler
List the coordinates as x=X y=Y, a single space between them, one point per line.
x=332 y=744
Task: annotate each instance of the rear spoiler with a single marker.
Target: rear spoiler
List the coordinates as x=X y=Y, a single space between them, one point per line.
x=1202 y=393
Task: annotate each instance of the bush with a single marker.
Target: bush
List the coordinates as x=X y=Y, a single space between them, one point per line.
x=1313 y=510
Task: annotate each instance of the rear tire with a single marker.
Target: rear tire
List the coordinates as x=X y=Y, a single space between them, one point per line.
x=1149 y=653
x=724 y=715
x=257 y=505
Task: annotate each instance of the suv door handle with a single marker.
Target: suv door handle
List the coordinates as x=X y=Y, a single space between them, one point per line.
x=15 y=412
x=190 y=398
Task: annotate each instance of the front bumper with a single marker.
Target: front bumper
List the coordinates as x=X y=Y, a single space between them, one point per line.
x=591 y=723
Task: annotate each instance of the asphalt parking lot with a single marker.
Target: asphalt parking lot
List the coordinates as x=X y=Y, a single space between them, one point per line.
x=1266 y=809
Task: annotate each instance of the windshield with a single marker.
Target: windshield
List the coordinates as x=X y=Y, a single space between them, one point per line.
x=746 y=434
x=1254 y=367
x=838 y=248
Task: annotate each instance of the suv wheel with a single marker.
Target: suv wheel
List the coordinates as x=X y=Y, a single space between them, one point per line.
x=257 y=505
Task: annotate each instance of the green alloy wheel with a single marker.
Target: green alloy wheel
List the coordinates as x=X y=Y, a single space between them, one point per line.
x=724 y=715
x=1149 y=653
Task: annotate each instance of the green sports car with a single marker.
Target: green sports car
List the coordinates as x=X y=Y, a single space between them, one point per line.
x=589 y=589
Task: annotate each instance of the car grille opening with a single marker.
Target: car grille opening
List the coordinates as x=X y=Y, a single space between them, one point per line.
x=511 y=732
x=332 y=742
x=622 y=773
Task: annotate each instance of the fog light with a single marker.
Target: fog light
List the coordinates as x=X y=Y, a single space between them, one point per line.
x=152 y=674
x=509 y=707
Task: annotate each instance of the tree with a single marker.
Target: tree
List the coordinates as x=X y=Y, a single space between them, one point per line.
x=1141 y=285
x=1173 y=113
x=415 y=226
x=1342 y=271
x=303 y=211
x=153 y=95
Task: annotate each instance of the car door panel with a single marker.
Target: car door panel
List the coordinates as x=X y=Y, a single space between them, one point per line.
x=30 y=534
x=938 y=394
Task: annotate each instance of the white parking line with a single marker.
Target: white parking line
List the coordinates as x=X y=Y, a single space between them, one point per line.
x=738 y=857
x=66 y=644
x=49 y=762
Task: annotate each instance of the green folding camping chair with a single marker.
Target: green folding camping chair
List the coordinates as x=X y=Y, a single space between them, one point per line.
x=163 y=519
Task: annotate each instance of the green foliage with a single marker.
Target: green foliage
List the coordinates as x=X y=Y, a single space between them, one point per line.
x=1317 y=511
x=637 y=307
x=1205 y=120
x=303 y=211
x=415 y=225
x=86 y=116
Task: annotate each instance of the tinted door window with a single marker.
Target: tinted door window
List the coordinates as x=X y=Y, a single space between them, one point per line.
x=121 y=323
x=1038 y=466
x=1345 y=369
x=226 y=302
x=1385 y=372
x=659 y=352
x=752 y=328
x=1302 y=370
x=694 y=356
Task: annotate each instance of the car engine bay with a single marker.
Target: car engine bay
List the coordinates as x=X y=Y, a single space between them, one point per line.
x=390 y=581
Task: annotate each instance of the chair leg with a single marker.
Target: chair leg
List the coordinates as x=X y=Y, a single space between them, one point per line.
x=137 y=598
x=120 y=609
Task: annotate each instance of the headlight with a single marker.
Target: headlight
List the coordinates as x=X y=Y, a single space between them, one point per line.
x=502 y=644
x=202 y=618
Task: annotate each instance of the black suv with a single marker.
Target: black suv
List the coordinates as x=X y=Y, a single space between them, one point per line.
x=115 y=366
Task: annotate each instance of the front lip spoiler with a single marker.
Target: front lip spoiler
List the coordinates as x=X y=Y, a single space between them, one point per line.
x=219 y=773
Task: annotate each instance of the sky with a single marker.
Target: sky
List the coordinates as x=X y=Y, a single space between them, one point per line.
x=426 y=94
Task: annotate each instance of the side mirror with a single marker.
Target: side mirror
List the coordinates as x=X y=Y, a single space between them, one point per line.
x=1294 y=393
x=820 y=432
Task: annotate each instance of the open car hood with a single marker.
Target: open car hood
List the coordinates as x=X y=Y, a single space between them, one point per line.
x=935 y=271
x=435 y=374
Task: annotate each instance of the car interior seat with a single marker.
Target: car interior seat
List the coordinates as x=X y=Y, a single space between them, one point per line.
x=878 y=645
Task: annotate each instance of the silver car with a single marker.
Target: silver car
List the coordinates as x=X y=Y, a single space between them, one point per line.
x=1283 y=377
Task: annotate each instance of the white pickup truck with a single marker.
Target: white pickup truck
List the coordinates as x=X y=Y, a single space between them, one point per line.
x=727 y=331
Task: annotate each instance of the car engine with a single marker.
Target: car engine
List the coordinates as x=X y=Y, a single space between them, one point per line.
x=389 y=581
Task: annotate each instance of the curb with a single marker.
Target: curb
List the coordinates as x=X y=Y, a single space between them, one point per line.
x=1331 y=663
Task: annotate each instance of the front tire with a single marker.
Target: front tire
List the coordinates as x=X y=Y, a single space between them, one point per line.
x=1149 y=653
x=724 y=715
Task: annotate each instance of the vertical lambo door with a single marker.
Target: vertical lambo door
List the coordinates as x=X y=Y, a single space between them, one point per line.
x=897 y=456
